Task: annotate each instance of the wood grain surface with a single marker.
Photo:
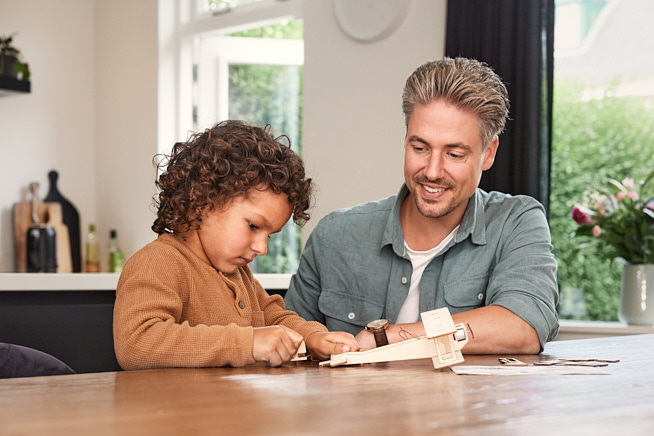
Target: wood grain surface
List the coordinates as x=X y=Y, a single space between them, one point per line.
x=393 y=398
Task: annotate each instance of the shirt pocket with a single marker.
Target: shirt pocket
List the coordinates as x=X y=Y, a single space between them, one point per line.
x=344 y=309
x=466 y=294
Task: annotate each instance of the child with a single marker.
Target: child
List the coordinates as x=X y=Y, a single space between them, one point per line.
x=188 y=299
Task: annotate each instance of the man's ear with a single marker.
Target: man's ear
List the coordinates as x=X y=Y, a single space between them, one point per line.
x=489 y=153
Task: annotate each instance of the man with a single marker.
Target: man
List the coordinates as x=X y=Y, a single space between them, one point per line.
x=441 y=241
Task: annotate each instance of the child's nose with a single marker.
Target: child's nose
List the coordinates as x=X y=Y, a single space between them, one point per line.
x=260 y=246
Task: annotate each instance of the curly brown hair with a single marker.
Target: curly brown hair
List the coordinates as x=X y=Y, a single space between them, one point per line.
x=221 y=164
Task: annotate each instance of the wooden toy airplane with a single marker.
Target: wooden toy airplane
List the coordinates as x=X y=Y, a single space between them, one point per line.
x=442 y=342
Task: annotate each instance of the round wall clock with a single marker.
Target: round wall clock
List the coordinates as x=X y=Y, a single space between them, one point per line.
x=370 y=20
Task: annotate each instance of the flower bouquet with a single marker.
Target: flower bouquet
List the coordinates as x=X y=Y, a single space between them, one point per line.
x=620 y=220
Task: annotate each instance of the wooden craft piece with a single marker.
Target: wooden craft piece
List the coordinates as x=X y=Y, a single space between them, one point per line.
x=301 y=353
x=576 y=362
x=511 y=361
x=442 y=343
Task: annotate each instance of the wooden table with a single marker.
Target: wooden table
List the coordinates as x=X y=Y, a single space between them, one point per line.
x=393 y=398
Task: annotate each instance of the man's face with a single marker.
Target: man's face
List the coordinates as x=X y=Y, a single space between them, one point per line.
x=443 y=159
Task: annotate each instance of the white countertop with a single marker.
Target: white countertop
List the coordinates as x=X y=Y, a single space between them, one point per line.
x=97 y=281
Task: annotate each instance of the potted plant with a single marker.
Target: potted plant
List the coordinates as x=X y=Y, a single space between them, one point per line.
x=11 y=62
x=619 y=220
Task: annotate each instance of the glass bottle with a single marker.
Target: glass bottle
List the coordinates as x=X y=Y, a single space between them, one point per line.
x=92 y=259
x=116 y=258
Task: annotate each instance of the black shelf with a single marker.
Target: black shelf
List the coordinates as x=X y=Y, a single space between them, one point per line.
x=13 y=86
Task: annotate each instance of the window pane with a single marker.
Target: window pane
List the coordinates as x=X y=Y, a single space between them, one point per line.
x=270 y=94
x=603 y=111
x=223 y=5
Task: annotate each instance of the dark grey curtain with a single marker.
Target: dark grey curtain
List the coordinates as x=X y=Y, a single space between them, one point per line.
x=514 y=37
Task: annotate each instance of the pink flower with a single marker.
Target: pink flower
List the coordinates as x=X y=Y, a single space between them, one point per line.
x=580 y=216
x=597 y=231
x=599 y=206
x=628 y=182
x=621 y=195
x=633 y=195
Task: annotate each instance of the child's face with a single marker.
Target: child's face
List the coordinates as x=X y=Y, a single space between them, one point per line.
x=231 y=238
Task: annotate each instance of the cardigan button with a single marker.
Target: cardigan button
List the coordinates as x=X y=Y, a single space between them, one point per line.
x=351 y=315
x=480 y=296
x=404 y=280
x=241 y=305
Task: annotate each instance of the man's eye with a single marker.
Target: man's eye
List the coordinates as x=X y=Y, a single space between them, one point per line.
x=457 y=155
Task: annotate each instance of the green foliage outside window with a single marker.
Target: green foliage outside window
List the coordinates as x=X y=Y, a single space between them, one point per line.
x=293 y=29
x=272 y=94
x=593 y=139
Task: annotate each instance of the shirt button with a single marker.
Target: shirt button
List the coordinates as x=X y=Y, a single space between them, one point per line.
x=241 y=305
x=351 y=315
x=480 y=296
x=404 y=280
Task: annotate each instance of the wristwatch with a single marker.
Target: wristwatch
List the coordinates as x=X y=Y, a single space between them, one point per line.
x=378 y=329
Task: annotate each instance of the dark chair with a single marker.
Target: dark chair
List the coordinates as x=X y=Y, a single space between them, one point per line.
x=19 y=361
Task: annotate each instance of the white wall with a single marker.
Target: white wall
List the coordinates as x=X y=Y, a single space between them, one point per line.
x=126 y=67
x=92 y=113
x=353 y=123
x=53 y=127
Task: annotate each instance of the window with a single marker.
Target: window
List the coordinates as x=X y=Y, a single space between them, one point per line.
x=602 y=128
x=242 y=59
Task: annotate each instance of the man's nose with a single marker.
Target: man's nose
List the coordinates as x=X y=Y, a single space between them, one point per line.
x=434 y=167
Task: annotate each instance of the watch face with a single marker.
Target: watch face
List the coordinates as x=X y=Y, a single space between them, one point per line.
x=376 y=324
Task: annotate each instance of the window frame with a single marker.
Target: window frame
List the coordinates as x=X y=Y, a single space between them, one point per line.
x=180 y=21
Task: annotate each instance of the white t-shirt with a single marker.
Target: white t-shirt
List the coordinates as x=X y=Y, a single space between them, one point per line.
x=410 y=311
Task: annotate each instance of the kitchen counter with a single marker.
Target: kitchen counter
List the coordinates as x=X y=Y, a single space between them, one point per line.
x=98 y=281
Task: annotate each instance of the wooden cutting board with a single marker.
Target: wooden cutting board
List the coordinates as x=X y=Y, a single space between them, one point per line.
x=49 y=213
x=70 y=217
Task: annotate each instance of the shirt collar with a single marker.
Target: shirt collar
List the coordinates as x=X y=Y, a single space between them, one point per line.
x=473 y=223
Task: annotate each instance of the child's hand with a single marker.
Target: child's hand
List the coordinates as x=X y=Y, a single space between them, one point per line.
x=275 y=344
x=323 y=344
x=366 y=339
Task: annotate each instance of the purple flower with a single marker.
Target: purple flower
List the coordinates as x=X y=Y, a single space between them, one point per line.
x=650 y=205
x=580 y=216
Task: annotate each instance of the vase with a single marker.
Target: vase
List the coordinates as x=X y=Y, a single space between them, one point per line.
x=637 y=295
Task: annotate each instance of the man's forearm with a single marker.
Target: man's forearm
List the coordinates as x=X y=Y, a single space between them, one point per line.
x=491 y=330
x=496 y=330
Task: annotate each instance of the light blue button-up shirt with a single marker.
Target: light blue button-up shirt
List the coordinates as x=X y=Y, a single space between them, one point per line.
x=354 y=268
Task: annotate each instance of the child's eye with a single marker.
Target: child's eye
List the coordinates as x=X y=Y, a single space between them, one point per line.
x=253 y=226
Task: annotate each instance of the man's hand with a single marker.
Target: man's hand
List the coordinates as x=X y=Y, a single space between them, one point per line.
x=275 y=344
x=322 y=345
